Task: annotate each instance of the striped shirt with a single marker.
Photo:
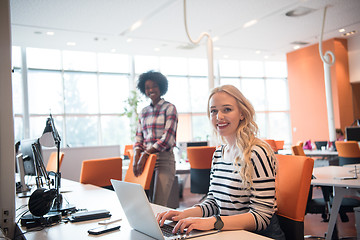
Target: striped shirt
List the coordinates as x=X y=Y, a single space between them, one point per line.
x=157 y=127
x=227 y=196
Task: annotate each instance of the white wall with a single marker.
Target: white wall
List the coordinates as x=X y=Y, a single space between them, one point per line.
x=73 y=157
x=7 y=155
x=354 y=58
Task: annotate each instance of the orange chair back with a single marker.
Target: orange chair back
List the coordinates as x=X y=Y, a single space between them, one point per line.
x=99 y=171
x=272 y=144
x=51 y=165
x=297 y=150
x=200 y=157
x=145 y=178
x=292 y=185
x=279 y=144
x=349 y=149
x=127 y=148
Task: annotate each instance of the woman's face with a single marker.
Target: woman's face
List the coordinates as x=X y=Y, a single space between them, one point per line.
x=225 y=114
x=152 y=90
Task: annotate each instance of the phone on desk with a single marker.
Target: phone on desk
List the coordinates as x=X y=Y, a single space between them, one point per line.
x=103 y=229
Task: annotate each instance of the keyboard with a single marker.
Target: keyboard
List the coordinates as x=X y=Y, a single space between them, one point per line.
x=167 y=231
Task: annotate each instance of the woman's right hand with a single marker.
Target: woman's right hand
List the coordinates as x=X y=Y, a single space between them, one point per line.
x=135 y=161
x=172 y=215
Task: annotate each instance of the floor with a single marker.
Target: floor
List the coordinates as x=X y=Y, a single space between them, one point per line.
x=313 y=222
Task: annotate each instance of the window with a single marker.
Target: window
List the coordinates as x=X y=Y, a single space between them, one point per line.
x=86 y=93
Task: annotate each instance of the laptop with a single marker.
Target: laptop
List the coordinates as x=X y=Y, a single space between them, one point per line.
x=140 y=215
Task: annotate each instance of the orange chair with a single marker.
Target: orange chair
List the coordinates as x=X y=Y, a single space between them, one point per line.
x=99 y=171
x=349 y=152
x=52 y=162
x=297 y=150
x=292 y=188
x=279 y=144
x=126 y=149
x=272 y=144
x=200 y=159
x=145 y=178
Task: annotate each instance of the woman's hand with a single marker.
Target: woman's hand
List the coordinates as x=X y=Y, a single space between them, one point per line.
x=138 y=167
x=136 y=161
x=192 y=223
x=172 y=215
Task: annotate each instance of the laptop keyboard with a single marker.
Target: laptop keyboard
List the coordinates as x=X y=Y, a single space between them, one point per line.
x=167 y=230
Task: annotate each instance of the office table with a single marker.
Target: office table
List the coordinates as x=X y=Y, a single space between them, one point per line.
x=330 y=176
x=312 y=153
x=86 y=196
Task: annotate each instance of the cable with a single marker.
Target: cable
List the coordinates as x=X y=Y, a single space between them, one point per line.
x=327 y=53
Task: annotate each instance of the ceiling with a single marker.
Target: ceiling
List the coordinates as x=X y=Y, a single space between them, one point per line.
x=105 y=26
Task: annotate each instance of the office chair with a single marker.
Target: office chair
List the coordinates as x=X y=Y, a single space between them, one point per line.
x=126 y=149
x=200 y=159
x=297 y=150
x=145 y=178
x=99 y=171
x=279 y=144
x=272 y=144
x=349 y=152
x=292 y=189
x=51 y=165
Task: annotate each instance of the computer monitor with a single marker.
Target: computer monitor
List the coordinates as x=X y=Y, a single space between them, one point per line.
x=352 y=133
x=197 y=144
x=26 y=148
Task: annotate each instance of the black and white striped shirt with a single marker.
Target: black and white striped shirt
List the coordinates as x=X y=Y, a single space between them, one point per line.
x=227 y=195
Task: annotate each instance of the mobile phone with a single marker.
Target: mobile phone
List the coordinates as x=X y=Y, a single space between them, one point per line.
x=103 y=229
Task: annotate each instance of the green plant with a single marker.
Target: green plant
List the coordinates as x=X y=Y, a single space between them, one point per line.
x=130 y=110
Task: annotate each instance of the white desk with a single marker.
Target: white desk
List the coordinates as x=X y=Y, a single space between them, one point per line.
x=312 y=153
x=95 y=198
x=328 y=176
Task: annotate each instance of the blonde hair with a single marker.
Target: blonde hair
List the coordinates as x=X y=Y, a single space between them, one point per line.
x=246 y=133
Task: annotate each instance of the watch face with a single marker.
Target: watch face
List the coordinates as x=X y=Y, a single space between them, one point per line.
x=219 y=223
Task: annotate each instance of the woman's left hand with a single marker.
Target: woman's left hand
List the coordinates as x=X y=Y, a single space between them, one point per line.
x=192 y=223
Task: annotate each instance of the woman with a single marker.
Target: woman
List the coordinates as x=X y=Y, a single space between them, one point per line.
x=156 y=134
x=242 y=182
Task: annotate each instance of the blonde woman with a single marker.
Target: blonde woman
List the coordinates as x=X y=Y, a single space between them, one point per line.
x=242 y=182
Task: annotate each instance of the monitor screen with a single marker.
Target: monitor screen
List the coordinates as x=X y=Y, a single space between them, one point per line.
x=28 y=155
x=197 y=144
x=352 y=133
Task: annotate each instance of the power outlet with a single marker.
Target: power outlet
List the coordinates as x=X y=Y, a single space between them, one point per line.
x=5 y=223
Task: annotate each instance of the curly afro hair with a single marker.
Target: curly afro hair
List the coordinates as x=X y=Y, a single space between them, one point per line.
x=157 y=77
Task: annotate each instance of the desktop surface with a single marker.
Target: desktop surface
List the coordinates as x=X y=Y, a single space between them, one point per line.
x=86 y=196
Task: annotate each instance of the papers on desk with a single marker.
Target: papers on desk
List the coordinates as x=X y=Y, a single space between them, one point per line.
x=349 y=178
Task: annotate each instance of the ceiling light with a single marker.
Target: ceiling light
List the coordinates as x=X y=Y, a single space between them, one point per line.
x=266 y=57
x=136 y=25
x=50 y=33
x=296 y=47
x=299 y=11
x=349 y=33
x=156 y=49
x=216 y=48
x=113 y=50
x=341 y=30
x=226 y=56
x=216 y=38
x=129 y=40
x=257 y=51
x=250 y=23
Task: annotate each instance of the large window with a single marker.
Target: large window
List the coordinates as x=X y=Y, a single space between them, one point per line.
x=86 y=93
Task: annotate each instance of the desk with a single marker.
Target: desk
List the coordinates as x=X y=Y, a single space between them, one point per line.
x=85 y=196
x=327 y=176
x=312 y=153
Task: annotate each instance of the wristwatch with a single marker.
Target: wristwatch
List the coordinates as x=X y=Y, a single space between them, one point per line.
x=219 y=224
